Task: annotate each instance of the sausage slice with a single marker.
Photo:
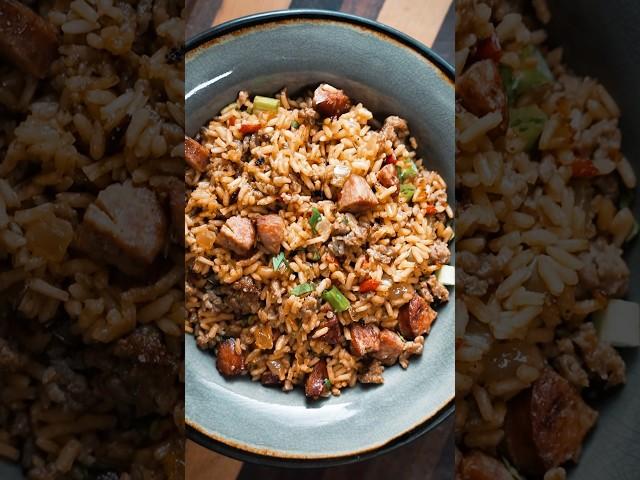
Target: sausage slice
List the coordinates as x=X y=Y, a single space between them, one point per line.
x=388 y=176
x=26 y=39
x=315 y=384
x=356 y=195
x=332 y=336
x=229 y=362
x=238 y=235
x=415 y=318
x=329 y=101
x=364 y=339
x=479 y=466
x=195 y=154
x=391 y=346
x=481 y=91
x=271 y=232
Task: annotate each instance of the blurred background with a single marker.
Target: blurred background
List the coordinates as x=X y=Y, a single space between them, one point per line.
x=431 y=22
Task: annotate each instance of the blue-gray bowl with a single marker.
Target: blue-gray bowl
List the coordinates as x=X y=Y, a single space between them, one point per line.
x=390 y=74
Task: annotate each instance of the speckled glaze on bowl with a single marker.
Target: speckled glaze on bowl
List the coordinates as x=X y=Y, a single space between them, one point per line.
x=390 y=74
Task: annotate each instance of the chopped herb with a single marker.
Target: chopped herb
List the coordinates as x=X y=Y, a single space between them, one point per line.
x=409 y=172
x=345 y=220
x=278 y=260
x=295 y=124
x=407 y=190
x=336 y=299
x=315 y=218
x=303 y=289
x=327 y=384
x=527 y=123
x=266 y=104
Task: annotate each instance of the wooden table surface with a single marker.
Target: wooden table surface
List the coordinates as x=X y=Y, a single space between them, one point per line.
x=430 y=457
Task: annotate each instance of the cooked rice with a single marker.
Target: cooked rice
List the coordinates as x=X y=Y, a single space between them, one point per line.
x=79 y=397
x=291 y=170
x=539 y=247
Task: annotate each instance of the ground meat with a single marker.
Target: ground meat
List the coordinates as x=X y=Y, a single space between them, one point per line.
x=65 y=386
x=373 y=373
x=26 y=39
x=237 y=235
x=356 y=195
x=388 y=176
x=315 y=384
x=438 y=291
x=415 y=318
x=394 y=129
x=391 y=346
x=269 y=379
x=381 y=253
x=481 y=92
x=196 y=156
x=242 y=296
x=230 y=359
x=601 y=359
x=329 y=101
x=348 y=233
x=569 y=367
x=439 y=253
x=125 y=227
x=470 y=284
x=364 y=339
x=604 y=269
x=144 y=344
x=270 y=232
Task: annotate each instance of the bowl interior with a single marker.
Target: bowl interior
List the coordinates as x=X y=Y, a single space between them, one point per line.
x=388 y=77
x=599 y=42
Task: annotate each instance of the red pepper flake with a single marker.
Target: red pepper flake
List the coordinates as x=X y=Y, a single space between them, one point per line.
x=584 y=168
x=391 y=159
x=488 y=48
x=431 y=210
x=232 y=121
x=369 y=285
x=246 y=128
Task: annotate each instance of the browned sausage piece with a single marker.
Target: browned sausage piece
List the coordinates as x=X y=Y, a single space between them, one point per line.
x=269 y=379
x=415 y=318
x=238 y=235
x=315 y=384
x=125 y=226
x=518 y=437
x=356 y=195
x=332 y=336
x=388 y=176
x=195 y=154
x=479 y=466
x=329 y=101
x=560 y=419
x=26 y=39
x=364 y=339
x=480 y=89
x=270 y=232
x=229 y=362
x=391 y=346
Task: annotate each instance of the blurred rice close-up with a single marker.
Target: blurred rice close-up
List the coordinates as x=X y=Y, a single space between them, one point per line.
x=91 y=247
x=543 y=217
x=351 y=229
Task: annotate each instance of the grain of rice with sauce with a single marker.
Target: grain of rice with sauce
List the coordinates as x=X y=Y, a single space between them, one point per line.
x=313 y=241
x=541 y=224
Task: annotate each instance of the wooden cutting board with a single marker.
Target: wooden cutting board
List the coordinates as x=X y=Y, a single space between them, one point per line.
x=432 y=22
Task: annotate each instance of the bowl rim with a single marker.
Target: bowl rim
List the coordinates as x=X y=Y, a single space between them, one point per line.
x=191 y=45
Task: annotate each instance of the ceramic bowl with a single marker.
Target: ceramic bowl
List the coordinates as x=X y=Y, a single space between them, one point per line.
x=390 y=74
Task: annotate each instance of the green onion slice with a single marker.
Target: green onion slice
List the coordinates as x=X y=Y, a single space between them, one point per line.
x=409 y=172
x=303 y=289
x=407 y=190
x=278 y=260
x=315 y=218
x=336 y=299
x=266 y=104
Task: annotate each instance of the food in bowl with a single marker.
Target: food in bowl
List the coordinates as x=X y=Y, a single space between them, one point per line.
x=91 y=277
x=315 y=238
x=542 y=222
